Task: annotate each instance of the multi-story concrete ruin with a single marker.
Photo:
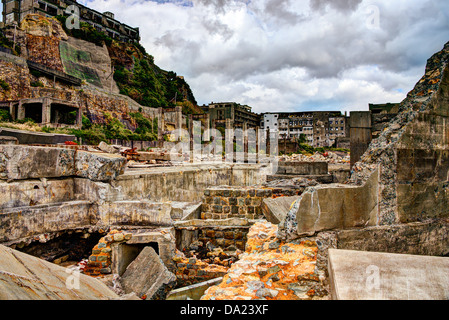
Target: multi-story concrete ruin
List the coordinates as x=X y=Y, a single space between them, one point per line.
x=320 y=128
x=17 y=10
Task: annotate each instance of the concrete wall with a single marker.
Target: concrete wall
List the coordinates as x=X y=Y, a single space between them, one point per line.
x=185 y=183
x=303 y=168
x=20 y=162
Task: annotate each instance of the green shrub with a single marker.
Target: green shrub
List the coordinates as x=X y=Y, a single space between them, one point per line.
x=36 y=84
x=5 y=115
x=5 y=85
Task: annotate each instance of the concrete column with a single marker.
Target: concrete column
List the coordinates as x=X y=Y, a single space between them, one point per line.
x=268 y=143
x=79 y=117
x=257 y=144
x=360 y=134
x=191 y=141
x=20 y=111
x=229 y=141
x=46 y=111
x=160 y=127
x=207 y=128
x=178 y=124
x=245 y=142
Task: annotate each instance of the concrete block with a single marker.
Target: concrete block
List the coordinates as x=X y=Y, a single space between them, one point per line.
x=148 y=277
x=359 y=275
x=18 y=162
x=275 y=210
x=24 y=277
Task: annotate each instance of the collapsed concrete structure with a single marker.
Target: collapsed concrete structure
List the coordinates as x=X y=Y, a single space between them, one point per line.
x=199 y=221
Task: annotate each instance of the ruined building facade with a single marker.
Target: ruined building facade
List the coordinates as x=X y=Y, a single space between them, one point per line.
x=16 y=11
x=320 y=128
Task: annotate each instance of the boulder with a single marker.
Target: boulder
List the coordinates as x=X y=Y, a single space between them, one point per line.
x=148 y=277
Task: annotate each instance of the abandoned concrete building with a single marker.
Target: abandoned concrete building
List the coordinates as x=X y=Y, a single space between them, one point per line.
x=320 y=128
x=111 y=221
x=17 y=10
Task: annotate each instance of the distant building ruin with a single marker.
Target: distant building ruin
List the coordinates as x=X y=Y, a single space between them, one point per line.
x=16 y=11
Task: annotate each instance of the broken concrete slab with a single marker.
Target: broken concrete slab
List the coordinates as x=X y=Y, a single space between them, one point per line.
x=19 y=162
x=193 y=292
x=103 y=146
x=30 y=137
x=331 y=207
x=275 y=210
x=8 y=140
x=359 y=275
x=135 y=213
x=148 y=277
x=24 y=277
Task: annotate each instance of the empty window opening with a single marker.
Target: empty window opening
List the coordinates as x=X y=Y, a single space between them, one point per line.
x=63 y=114
x=33 y=111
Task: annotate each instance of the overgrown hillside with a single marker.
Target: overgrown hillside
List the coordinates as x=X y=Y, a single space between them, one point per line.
x=136 y=74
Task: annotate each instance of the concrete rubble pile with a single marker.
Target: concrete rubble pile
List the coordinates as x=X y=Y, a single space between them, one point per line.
x=328 y=156
x=270 y=269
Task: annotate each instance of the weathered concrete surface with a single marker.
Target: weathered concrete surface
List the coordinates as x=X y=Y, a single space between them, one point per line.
x=404 y=174
x=24 y=277
x=429 y=238
x=35 y=192
x=185 y=183
x=135 y=213
x=31 y=162
x=163 y=237
x=28 y=137
x=358 y=275
x=275 y=210
x=24 y=222
x=302 y=168
x=193 y=292
x=8 y=140
x=148 y=277
x=330 y=207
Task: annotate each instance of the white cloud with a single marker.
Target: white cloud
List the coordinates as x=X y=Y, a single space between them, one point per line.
x=288 y=54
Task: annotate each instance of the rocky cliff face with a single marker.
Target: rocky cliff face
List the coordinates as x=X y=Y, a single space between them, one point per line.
x=112 y=72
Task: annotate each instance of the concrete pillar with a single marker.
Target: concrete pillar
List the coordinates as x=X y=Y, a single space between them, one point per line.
x=191 y=138
x=46 y=111
x=229 y=141
x=79 y=117
x=207 y=128
x=160 y=127
x=245 y=142
x=360 y=133
x=257 y=144
x=178 y=124
x=20 y=111
x=268 y=151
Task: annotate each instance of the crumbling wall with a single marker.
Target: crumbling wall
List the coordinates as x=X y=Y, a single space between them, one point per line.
x=396 y=198
x=14 y=72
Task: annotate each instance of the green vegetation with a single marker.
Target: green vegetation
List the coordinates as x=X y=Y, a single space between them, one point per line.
x=4 y=115
x=86 y=32
x=6 y=43
x=135 y=73
x=113 y=129
x=36 y=84
x=4 y=85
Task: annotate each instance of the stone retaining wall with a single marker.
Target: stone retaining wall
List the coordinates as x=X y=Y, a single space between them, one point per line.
x=228 y=202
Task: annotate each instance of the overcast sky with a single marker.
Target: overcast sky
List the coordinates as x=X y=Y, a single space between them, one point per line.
x=290 y=55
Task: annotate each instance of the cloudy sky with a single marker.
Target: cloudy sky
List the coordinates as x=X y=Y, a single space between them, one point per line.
x=290 y=55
